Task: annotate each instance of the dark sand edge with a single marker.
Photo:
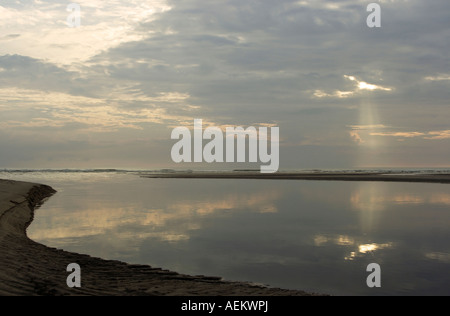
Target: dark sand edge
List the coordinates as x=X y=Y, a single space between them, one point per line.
x=28 y=268
x=322 y=176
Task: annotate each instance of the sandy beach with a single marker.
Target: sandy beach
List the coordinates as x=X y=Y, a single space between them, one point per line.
x=29 y=268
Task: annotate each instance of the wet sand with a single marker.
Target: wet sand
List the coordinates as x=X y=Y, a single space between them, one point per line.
x=28 y=268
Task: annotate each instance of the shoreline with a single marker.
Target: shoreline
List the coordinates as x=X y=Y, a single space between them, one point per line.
x=321 y=176
x=28 y=268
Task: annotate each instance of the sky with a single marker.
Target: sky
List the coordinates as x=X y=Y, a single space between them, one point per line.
x=108 y=93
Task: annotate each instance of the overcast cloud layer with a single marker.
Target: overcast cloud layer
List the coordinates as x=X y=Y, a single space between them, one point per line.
x=108 y=93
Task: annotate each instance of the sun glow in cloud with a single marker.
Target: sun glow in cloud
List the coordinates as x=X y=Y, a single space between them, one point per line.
x=367 y=86
x=357 y=90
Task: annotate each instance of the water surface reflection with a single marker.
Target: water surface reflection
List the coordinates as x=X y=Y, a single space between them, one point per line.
x=309 y=235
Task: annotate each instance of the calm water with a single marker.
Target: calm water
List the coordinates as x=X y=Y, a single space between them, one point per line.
x=308 y=235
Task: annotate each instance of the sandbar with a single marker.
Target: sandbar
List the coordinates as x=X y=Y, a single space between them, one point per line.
x=319 y=176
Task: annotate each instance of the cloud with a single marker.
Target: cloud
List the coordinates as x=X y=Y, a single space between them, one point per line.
x=358 y=88
x=367 y=127
x=357 y=130
x=26 y=72
x=374 y=130
x=399 y=134
x=433 y=135
x=39 y=109
x=438 y=135
x=361 y=85
x=46 y=35
x=356 y=137
x=441 y=77
x=313 y=67
x=335 y=94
